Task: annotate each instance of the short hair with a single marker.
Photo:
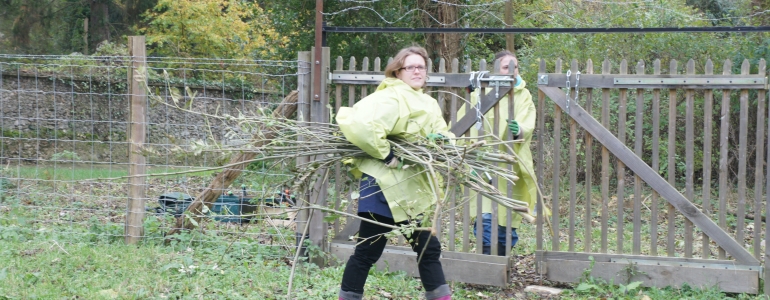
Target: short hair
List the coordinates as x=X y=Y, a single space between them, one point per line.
x=398 y=61
x=504 y=53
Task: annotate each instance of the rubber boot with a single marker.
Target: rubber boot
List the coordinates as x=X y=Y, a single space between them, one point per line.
x=486 y=250
x=350 y=296
x=440 y=293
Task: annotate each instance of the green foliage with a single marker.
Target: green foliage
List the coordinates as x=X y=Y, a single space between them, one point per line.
x=214 y=29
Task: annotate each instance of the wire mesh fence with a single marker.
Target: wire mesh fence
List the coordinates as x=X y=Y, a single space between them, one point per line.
x=64 y=148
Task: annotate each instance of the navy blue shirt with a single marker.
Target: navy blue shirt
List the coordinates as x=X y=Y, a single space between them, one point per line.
x=372 y=200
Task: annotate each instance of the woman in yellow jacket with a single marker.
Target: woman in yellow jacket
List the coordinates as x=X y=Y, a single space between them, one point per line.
x=390 y=194
x=522 y=125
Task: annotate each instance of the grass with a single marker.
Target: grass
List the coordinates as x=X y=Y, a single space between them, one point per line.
x=66 y=246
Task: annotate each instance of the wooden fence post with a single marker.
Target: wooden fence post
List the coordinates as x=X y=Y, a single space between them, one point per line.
x=137 y=128
x=319 y=114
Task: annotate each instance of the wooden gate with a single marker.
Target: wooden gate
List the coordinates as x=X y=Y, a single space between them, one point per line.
x=721 y=249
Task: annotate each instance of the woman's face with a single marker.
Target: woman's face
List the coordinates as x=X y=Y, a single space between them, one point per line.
x=505 y=65
x=417 y=76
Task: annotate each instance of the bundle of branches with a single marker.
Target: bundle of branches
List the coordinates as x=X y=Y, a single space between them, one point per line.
x=282 y=140
x=272 y=136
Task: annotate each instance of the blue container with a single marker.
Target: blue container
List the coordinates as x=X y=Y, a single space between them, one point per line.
x=228 y=209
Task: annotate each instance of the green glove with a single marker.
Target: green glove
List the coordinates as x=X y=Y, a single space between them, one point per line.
x=514 y=127
x=475 y=176
x=433 y=137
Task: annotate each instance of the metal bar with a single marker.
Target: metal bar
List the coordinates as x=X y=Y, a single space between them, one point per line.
x=694 y=81
x=317 y=52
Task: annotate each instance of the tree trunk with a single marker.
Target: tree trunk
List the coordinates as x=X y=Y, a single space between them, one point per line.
x=225 y=178
x=98 y=23
x=442 y=45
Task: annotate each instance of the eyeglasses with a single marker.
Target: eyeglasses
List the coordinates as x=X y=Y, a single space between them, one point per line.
x=412 y=68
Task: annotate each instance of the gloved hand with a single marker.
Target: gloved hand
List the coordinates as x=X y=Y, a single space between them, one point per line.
x=433 y=137
x=391 y=161
x=513 y=125
x=475 y=177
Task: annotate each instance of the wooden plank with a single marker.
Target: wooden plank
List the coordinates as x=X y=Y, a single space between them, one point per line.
x=134 y=226
x=337 y=166
x=303 y=116
x=759 y=163
x=573 y=159
x=478 y=213
x=453 y=200
x=494 y=238
x=319 y=114
x=767 y=206
x=743 y=81
x=441 y=97
x=487 y=100
x=671 y=234
x=653 y=178
x=621 y=167
x=540 y=158
x=466 y=203
x=689 y=157
x=509 y=187
x=655 y=162
x=638 y=144
x=588 y=218
x=724 y=142
x=364 y=67
x=708 y=113
x=605 y=162
x=351 y=88
x=557 y=112
x=464 y=267
x=735 y=281
x=742 y=151
x=608 y=257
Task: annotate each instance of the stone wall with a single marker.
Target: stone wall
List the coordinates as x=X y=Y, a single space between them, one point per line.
x=40 y=117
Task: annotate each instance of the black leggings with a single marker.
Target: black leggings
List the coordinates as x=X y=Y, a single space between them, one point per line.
x=368 y=252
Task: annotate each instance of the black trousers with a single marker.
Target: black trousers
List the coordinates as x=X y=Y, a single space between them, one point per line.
x=369 y=251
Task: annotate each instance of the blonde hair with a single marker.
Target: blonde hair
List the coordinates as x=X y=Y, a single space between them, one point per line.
x=398 y=61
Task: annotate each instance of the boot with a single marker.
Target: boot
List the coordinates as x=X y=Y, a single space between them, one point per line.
x=486 y=250
x=440 y=293
x=350 y=296
x=500 y=250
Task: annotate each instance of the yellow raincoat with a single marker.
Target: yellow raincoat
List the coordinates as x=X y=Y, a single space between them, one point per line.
x=525 y=188
x=394 y=110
